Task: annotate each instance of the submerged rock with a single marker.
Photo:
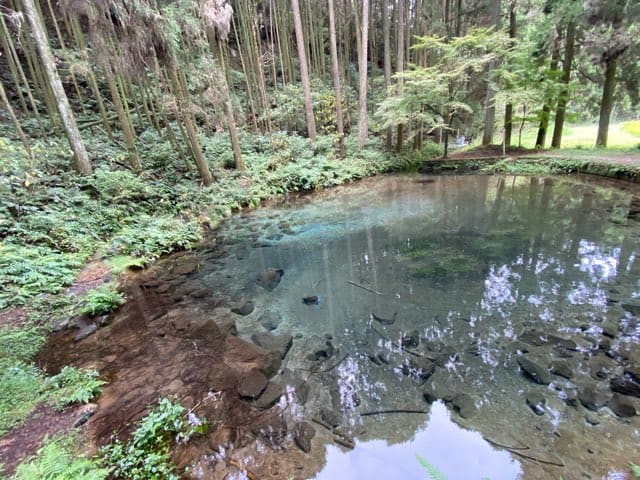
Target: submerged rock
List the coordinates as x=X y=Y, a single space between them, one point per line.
x=535 y=372
x=330 y=417
x=270 y=278
x=276 y=343
x=270 y=320
x=244 y=308
x=593 y=398
x=625 y=385
x=622 y=406
x=419 y=367
x=632 y=308
x=311 y=300
x=536 y=402
x=562 y=369
x=464 y=405
x=302 y=435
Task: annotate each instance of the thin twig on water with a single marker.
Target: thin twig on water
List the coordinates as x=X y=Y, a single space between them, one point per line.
x=364 y=287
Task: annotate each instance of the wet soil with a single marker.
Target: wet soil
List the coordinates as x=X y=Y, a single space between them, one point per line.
x=45 y=421
x=159 y=346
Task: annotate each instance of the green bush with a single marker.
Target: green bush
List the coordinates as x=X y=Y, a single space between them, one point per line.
x=146 y=455
x=102 y=300
x=73 y=385
x=58 y=459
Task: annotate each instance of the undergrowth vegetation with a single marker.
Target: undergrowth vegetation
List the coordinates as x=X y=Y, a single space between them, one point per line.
x=146 y=455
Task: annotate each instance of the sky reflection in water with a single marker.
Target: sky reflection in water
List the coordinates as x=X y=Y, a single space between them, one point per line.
x=458 y=453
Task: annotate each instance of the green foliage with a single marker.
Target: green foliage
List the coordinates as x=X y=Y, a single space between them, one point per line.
x=19 y=344
x=20 y=385
x=119 y=186
x=73 y=385
x=635 y=470
x=58 y=459
x=433 y=472
x=149 y=237
x=101 y=300
x=146 y=455
x=437 y=95
x=28 y=271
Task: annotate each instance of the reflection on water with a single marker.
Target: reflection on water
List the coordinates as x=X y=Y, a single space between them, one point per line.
x=457 y=453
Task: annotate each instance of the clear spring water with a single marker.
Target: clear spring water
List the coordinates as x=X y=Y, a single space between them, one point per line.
x=476 y=271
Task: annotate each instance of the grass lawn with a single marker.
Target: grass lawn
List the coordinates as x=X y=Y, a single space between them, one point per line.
x=623 y=135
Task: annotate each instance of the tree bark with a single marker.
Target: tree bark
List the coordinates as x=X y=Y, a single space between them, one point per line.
x=546 y=110
x=489 y=101
x=336 y=76
x=14 y=119
x=400 y=68
x=508 y=109
x=387 y=60
x=362 y=69
x=606 y=105
x=304 y=71
x=569 y=42
x=82 y=163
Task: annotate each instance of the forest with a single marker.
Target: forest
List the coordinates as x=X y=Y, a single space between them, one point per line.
x=132 y=128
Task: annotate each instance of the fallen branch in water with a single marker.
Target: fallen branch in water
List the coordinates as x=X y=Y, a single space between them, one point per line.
x=518 y=451
x=364 y=287
x=397 y=410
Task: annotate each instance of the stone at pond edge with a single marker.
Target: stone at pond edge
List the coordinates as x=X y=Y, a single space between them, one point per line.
x=303 y=433
x=277 y=343
x=622 y=406
x=625 y=385
x=85 y=331
x=244 y=308
x=252 y=385
x=270 y=278
x=84 y=413
x=534 y=371
x=536 y=402
x=270 y=396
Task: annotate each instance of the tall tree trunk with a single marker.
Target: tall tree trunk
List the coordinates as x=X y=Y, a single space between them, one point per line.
x=14 y=119
x=304 y=71
x=400 y=67
x=606 y=105
x=387 y=60
x=546 y=109
x=336 y=75
x=362 y=70
x=569 y=42
x=82 y=163
x=508 y=109
x=489 y=101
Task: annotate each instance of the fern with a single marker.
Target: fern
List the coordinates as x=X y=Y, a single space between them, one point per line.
x=57 y=459
x=433 y=472
x=73 y=385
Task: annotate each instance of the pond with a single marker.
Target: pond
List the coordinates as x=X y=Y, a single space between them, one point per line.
x=455 y=327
